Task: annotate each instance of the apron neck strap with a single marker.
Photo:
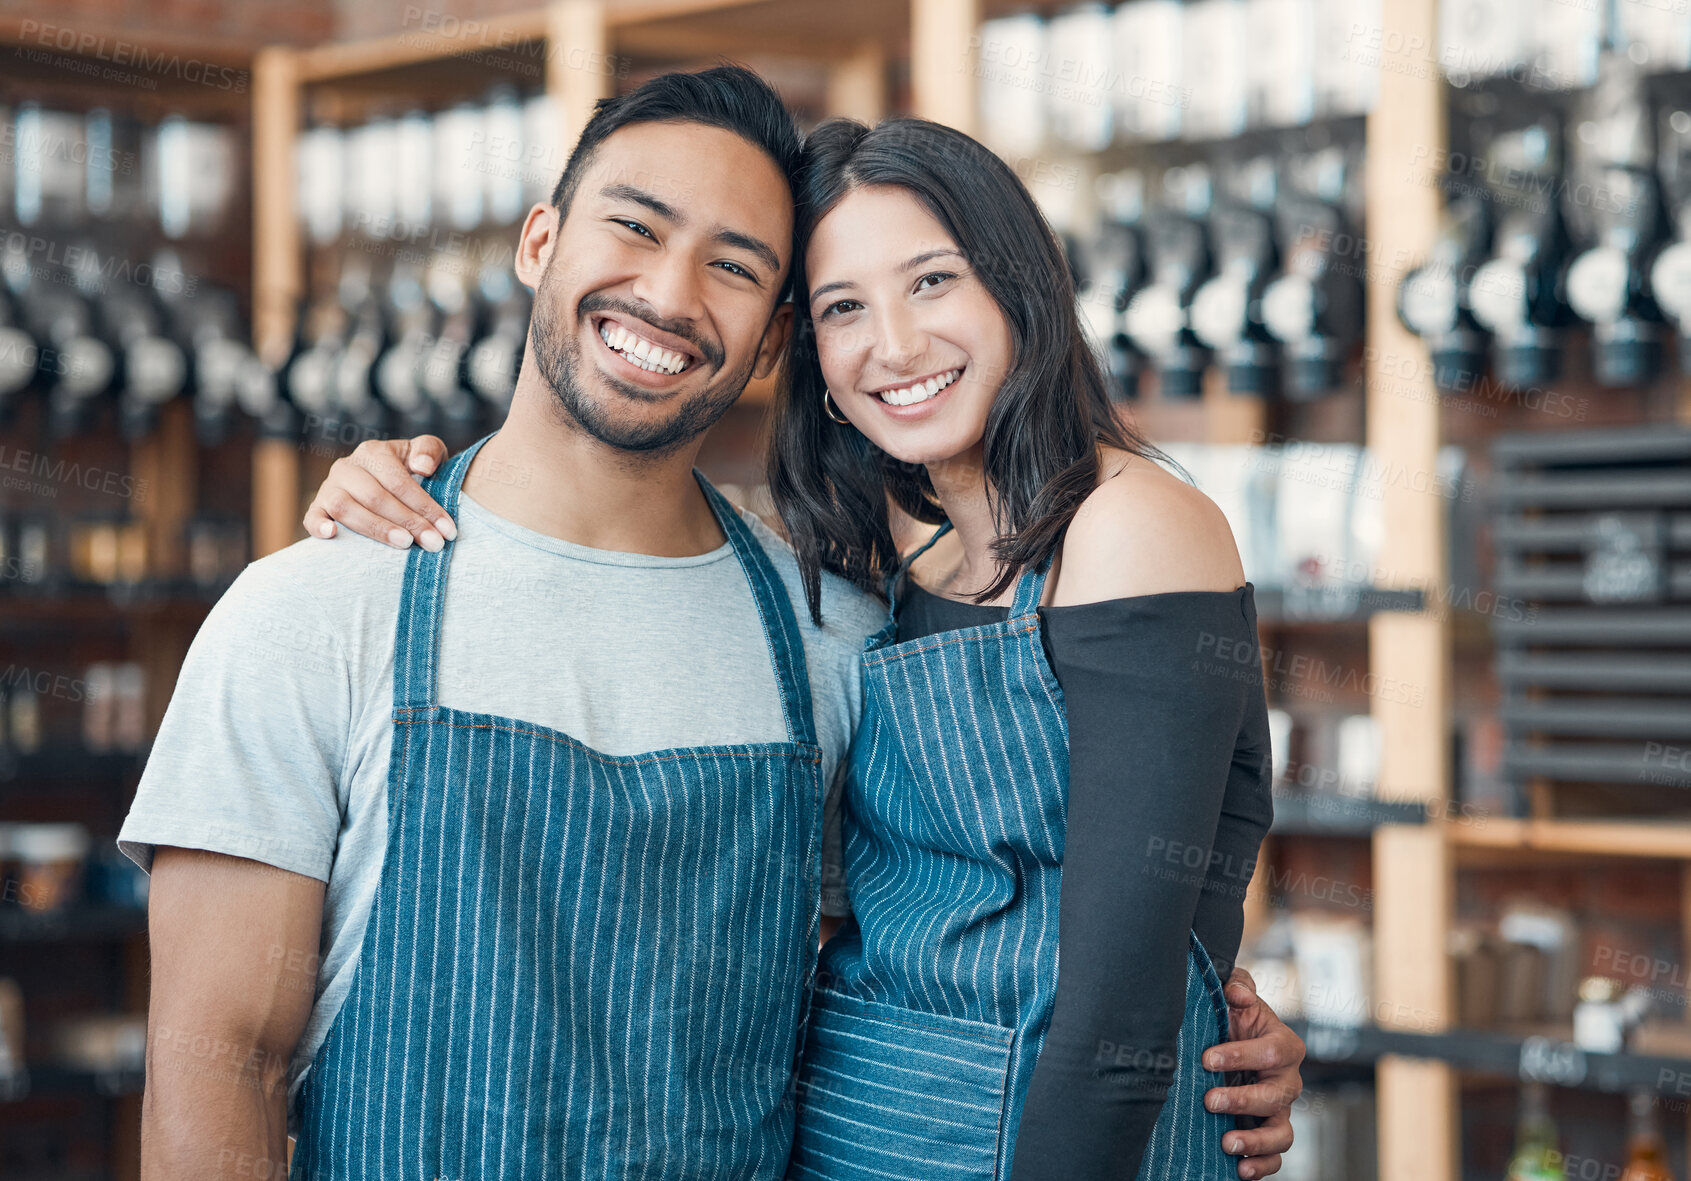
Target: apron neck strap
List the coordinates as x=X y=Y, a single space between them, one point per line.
x=1030 y=588
x=416 y=649
x=775 y=608
x=895 y=584
x=416 y=658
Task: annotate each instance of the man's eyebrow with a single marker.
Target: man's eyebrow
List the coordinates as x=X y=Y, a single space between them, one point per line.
x=663 y=209
x=741 y=241
x=746 y=242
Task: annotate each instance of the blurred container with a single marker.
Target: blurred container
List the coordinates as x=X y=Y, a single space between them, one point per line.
x=1335 y=961
x=23 y=719
x=1013 y=81
x=1474 y=953
x=1555 y=935
x=1080 y=106
x=1280 y=76
x=115 y=880
x=48 y=862
x=98 y=706
x=102 y=1042
x=1215 y=54
x=11 y=1034
x=1153 y=97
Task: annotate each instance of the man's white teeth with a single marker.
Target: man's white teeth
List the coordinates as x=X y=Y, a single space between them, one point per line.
x=637 y=350
x=921 y=391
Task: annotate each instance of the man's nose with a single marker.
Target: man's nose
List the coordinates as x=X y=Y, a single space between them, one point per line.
x=670 y=286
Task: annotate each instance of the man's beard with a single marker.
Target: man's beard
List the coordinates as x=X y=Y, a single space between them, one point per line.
x=557 y=355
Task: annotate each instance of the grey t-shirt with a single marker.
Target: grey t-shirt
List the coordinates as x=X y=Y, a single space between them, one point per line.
x=275 y=746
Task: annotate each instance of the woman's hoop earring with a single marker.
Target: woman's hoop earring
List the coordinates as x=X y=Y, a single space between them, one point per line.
x=829 y=410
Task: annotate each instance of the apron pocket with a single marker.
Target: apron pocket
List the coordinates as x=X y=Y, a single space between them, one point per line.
x=892 y=1094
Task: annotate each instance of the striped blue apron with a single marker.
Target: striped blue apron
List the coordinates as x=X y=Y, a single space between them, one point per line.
x=577 y=965
x=927 y=1015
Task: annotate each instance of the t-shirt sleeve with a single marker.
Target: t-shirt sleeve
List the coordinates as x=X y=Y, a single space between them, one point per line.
x=248 y=760
x=1160 y=693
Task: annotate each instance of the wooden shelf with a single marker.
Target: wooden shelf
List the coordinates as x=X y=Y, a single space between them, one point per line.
x=58 y=1082
x=659 y=30
x=204 y=77
x=1548 y=1058
x=1657 y=839
x=1332 y=814
x=92 y=921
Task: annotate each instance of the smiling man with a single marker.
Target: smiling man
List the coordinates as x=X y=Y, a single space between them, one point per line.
x=502 y=859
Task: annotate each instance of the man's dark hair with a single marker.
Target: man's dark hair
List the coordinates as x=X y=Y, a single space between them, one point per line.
x=727 y=96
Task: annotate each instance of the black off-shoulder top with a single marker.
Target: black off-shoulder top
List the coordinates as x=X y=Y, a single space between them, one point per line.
x=1169 y=799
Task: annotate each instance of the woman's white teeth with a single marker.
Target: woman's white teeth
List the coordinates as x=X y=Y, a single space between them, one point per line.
x=637 y=350
x=921 y=391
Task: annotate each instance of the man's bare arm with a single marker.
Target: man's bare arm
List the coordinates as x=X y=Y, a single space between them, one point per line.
x=234 y=968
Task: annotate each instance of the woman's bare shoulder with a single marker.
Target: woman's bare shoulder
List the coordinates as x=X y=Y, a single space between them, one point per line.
x=1145 y=531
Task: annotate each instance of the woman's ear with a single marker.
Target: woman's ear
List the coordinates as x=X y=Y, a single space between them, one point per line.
x=534 y=246
x=775 y=337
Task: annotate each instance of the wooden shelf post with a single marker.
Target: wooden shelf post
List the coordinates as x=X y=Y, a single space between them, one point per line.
x=857 y=85
x=942 y=60
x=1410 y=655
x=278 y=280
x=579 y=67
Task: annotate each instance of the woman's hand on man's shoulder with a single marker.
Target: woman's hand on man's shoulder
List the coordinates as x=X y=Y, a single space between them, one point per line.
x=1145 y=531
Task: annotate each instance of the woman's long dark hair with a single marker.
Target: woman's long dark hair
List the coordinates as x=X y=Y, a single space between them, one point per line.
x=1040 y=447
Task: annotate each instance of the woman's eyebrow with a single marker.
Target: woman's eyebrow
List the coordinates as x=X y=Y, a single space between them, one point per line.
x=913 y=263
x=836 y=285
x=908 y=265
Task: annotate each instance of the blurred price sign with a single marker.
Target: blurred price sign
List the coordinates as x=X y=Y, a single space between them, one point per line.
x=1546 y=1060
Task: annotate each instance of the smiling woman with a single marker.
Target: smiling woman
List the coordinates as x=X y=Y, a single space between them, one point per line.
x=938 y=257
x=1032 y=709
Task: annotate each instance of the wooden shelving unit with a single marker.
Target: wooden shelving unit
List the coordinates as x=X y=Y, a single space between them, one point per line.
x=1415 y=864
x=93 y=957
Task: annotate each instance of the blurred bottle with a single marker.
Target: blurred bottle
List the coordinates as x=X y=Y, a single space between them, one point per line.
x=496 y=358
x=1227 y=310
x=354 y=397
x=1536 y=1155
x=1158 y=317
x=1609 y=284
x=154 y=368
x=1434 y=299
x=19 y=355
x=1516 y=295
x=442 y=372
x=413 y=320
x=1646 y=1154
x=78 y=365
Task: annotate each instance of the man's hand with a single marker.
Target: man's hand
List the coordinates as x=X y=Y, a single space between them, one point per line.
x=1261 y=1042
x=234 y=967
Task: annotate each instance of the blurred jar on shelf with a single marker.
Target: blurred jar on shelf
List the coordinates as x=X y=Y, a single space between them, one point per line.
x=45 y=865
